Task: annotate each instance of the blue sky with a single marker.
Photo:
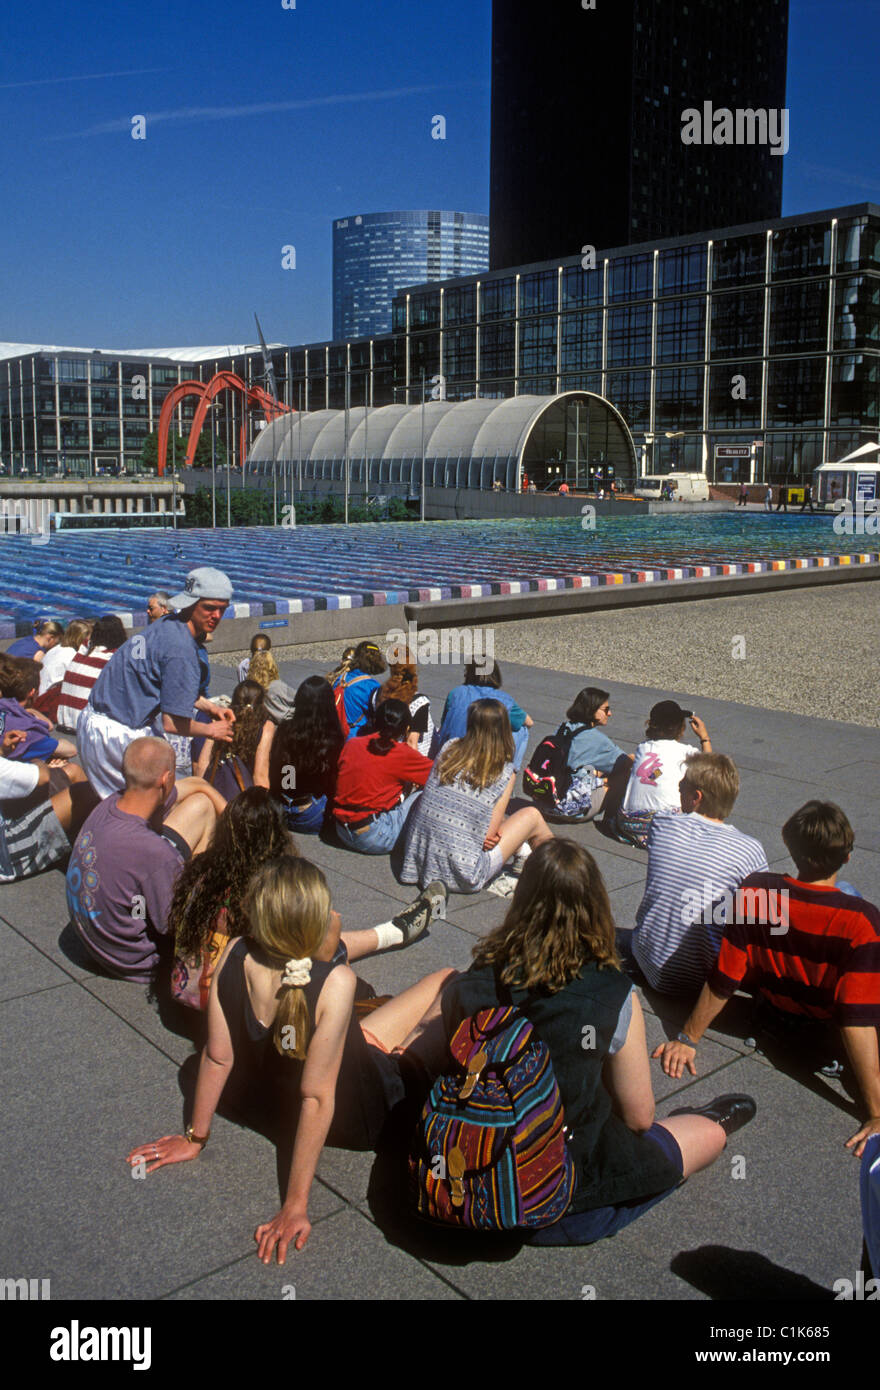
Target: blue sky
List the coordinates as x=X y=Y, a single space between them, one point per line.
x=265 y=124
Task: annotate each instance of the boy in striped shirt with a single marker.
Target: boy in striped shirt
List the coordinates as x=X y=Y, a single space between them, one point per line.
x=823 y=969
x=695 y=864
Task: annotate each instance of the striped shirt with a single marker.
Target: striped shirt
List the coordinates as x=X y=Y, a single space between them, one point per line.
x=81 y=675
x=695 y=866
x=824 y=965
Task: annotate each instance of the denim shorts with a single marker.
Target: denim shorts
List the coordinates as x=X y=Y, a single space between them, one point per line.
x=382 y=833
x=585 y=1227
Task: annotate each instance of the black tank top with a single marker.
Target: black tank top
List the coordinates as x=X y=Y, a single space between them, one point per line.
x=266 y=1086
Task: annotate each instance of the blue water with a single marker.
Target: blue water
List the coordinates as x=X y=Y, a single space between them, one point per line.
x=81 y=574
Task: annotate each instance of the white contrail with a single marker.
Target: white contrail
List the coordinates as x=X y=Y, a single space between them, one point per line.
x=838 y=176
x=262 y=108
x=84 y=77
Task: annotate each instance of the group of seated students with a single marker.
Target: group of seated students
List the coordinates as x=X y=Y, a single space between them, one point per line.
x=195 y=880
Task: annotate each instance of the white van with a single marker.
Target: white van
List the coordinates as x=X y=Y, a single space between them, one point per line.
x=689 y=487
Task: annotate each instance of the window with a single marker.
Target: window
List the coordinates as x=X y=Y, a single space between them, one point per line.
x=537 y=346
x=630 y=393
x=857 y=312
x=796 y=392
x=799 y=317
x=460 y=305
x=682 y=270
x=631 y=277
x=581 y=286
x=729 y=409
x=537 y=293
x=678 y=402
x=497 y=299
x=460 y=353
x=738 y=260
x=681 y=330
x=496 y=350
x=629 y=336
x=581 y=341
x=797 y=251
x=855 y=390
x=737 y=324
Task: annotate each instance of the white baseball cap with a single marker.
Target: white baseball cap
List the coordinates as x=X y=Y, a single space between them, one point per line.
x=203 y=583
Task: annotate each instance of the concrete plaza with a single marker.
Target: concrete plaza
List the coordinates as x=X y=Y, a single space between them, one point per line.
x=91 y=1070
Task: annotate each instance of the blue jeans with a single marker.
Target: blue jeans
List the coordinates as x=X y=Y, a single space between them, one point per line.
x=584 y=1227
x=306 y=820
x=381 y=835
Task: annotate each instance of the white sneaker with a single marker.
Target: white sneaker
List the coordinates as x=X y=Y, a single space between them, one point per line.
x=504 y=886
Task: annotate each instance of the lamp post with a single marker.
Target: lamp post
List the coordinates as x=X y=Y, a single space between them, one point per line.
x=422 y=508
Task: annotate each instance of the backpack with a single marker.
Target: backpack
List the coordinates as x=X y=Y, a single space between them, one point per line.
x=490 y=1150
x=548 y=776
x=339 y=690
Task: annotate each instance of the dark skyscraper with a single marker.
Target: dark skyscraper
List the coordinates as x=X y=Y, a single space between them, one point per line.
x=587 y=121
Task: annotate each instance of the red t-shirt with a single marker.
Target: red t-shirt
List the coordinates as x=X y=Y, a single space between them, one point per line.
x=816 y=953
x=368 y=782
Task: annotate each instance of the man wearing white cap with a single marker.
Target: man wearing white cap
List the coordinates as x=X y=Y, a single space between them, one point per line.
x=153 y=682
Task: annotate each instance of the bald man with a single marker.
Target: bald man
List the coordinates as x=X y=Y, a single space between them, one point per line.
x=127 y=857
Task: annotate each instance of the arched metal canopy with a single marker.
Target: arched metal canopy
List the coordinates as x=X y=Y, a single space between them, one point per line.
x=471 y=443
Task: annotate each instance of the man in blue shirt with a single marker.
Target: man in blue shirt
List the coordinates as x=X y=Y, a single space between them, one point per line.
x=153 y=681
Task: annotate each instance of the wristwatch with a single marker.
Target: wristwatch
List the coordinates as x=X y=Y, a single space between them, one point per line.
x=192 y=1138
x=688 y=1042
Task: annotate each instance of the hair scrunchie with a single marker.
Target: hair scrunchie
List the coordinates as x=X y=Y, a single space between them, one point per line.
x=297 y=973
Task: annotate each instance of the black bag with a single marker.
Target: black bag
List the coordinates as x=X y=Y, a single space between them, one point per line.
x=548 y=776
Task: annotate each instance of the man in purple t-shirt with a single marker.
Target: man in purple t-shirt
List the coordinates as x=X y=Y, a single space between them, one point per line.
x=127 y=857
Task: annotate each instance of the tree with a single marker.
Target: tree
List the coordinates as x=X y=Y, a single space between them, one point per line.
x=176 y=452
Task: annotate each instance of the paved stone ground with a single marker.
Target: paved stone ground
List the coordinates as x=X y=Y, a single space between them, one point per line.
x=90 y=1070
x=810 y=651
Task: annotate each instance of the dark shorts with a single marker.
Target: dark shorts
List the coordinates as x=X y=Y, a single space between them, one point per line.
x=175 y=838
x=585 y=1227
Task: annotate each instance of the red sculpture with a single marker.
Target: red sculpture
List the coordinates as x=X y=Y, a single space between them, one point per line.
x=206 y=391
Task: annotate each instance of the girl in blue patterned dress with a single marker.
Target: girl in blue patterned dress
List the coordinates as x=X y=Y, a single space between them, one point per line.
x=459 y=831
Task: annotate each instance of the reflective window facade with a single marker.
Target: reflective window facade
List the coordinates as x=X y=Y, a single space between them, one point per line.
x=376 y=254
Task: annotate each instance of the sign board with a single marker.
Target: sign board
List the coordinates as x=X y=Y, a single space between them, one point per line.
x=866 y=486
x=732 y=451
x=276 y=622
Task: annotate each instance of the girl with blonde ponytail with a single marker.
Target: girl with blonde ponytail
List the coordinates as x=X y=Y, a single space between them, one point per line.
x=284 y=1044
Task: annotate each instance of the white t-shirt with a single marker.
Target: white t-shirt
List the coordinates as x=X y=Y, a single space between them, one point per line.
x=17 y=779
x=657 y=770
x=54 y=665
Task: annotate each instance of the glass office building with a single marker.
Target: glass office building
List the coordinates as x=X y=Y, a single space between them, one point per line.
x=375 y=254
x=750 y=352
x=762 y=340
x=587 y=121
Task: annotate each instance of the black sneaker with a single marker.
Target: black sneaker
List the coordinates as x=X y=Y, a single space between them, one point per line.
x=413 y=921
x=731 y=1112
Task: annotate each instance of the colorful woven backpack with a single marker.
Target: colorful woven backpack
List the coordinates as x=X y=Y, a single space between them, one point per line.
x=490 y=1150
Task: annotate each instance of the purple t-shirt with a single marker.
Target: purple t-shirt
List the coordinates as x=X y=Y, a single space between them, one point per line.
x=38 y=742
x=119 y=884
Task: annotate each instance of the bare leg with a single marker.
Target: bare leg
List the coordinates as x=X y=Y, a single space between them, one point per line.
x=526 y=824
x=701 y=1140
x=74 y=805
x=359 y=943
x=194 y=819
x=394 y=1023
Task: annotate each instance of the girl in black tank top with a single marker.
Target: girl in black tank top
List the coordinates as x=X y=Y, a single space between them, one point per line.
x=284 y=1045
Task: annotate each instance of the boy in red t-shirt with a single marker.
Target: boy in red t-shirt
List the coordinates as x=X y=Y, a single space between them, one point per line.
x=814 y=964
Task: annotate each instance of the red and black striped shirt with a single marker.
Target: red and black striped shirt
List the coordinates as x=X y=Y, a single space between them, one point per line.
x=810 y=951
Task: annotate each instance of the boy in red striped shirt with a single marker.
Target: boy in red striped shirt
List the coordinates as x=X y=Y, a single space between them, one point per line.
x=816 y=965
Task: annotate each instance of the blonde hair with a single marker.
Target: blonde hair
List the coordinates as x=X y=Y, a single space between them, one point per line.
x=287 y=908
x=715 y=775
x=559 y=920
x=480 y=756
x=78 y=632
x=262 y=669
